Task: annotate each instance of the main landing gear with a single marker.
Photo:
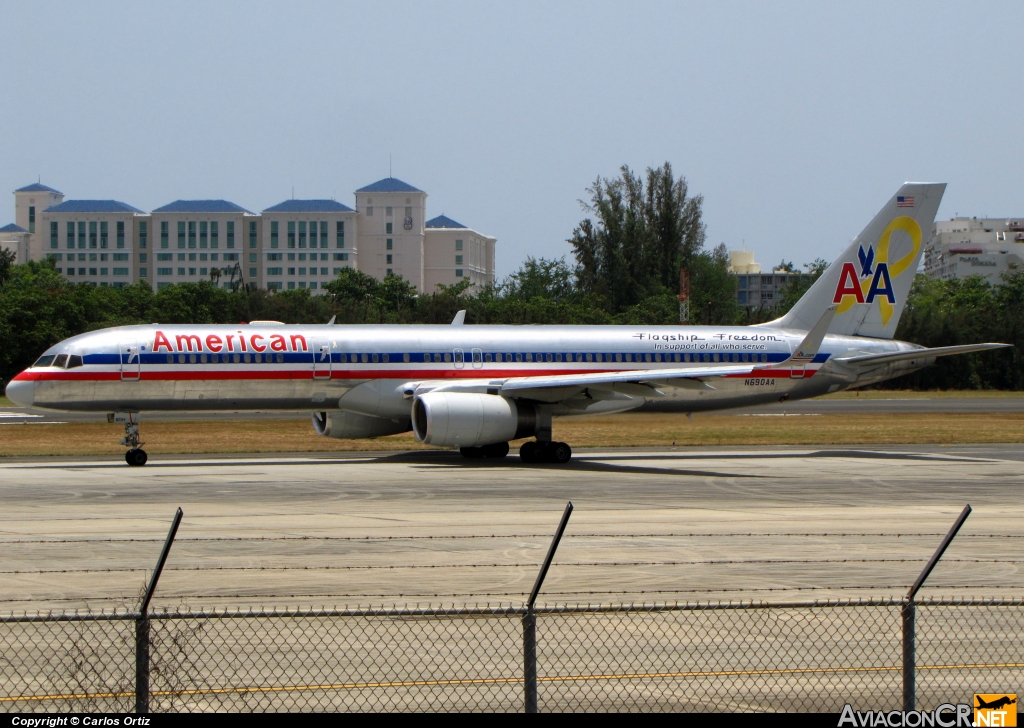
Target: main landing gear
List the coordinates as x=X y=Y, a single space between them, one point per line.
x=545 y=452
x=135 y=456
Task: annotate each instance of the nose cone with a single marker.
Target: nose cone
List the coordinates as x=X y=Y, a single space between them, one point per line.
x=22 y=392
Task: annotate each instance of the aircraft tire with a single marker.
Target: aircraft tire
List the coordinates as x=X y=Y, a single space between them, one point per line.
x=136 y=457
x=530 y=452
x=559 y=452
x=472 y=453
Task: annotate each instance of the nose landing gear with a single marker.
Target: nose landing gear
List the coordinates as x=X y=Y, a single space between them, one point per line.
x=135 y=456
x=545 y=452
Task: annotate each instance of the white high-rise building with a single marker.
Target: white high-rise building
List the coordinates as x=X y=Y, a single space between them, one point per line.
x=971 y=246
x=295 y=244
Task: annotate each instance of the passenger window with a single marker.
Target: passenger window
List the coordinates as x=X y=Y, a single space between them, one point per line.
x=558 y=357
x=384 y=358
x=405 y=357
x=44 y=361
x=487 y=357
x=364 y=358
x=236 y=358
x=280 y=358
x=181 y=358
x=259 y=358
x=170 y=358
x=191 y=358
x=448 y=357
x=376 y=358
x=629 y=357
x=248 y=359
x=74 y=361
x=61 y=360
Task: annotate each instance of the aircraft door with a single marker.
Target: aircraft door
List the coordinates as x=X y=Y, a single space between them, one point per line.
x=797 y=372
x=131 y=362
x=460 y=358
x=478 y=359
x=321 y=358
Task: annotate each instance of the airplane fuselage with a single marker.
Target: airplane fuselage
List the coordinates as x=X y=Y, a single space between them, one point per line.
x=369 y=369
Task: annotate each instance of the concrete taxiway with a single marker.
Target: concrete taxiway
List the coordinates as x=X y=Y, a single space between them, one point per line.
x=429 y=527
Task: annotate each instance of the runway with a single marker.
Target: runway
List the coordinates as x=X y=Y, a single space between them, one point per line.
x=429 y=527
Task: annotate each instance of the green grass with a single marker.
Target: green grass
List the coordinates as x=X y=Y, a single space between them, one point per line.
x=4 y=402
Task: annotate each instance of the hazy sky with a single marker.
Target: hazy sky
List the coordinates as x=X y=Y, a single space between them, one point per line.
x=796 y=121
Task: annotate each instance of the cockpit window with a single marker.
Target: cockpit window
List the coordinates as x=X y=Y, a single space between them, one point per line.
x=60 y=361
x=44 y=361
x=74 y=361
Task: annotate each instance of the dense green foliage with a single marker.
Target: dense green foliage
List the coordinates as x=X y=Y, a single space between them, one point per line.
x=627 y=260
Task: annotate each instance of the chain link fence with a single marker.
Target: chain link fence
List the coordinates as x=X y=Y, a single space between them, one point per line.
x=795 y=656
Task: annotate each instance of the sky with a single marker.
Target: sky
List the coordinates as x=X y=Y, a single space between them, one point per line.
x=796 y=121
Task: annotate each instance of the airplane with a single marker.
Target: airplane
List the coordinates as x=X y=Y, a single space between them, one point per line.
x=996 y=704
x=477 y=387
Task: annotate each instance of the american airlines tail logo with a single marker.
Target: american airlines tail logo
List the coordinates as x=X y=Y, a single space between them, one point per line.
x=870 y=278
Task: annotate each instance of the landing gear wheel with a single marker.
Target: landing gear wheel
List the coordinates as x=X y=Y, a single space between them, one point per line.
x=136 y=457
x=472 y=453
x=559 y=452
x=530 y=452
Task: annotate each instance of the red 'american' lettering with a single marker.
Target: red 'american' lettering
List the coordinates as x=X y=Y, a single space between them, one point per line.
x=215 y=343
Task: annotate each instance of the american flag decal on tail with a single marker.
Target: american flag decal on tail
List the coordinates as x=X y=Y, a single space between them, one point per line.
x=904 y=201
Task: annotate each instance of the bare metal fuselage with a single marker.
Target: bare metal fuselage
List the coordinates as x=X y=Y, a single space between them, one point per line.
x=370 y=369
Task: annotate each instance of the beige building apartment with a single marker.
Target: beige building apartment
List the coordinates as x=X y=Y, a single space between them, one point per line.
x=391 y=224
x=453 y=251
x=194 y=238
x=94 y=241
x=296 y=244
x=307 y=243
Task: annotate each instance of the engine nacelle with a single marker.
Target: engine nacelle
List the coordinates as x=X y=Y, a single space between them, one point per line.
x=456 y=419
x=344 y=425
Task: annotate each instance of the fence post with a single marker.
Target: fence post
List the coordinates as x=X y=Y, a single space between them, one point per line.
x=909 y=613
x=530 y=620
x=530 y=661
x=909 y=658
x=142 y=623
x=141 y=665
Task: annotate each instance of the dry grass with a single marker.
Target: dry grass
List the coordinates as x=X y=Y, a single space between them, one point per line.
x=626 y=430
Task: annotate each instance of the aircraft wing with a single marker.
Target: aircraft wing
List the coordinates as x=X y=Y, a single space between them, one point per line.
x=642 y=376
x=870 y=360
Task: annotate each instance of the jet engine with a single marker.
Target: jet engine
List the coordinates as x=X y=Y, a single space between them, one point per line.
x=344 y=425
x=456 y=419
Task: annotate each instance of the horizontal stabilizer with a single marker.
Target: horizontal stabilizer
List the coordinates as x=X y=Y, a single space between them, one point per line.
x=869 y=360
x=808 y=348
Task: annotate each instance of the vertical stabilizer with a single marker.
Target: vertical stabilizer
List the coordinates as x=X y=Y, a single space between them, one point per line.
x=870 y=281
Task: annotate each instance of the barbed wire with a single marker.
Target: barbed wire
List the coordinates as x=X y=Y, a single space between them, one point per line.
x=501 y=536
x=532 y=565
x=611 y=592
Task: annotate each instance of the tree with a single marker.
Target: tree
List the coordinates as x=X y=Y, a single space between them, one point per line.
x=640 y=236
x=7 y=259
x=785 y=267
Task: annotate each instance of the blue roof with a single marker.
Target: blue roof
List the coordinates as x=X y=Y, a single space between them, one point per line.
x=443 y=221
x=92 y=206
x=12 y=228
x=201 y=206
x=389 y=184
x=38 y=188
x=309 y=206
